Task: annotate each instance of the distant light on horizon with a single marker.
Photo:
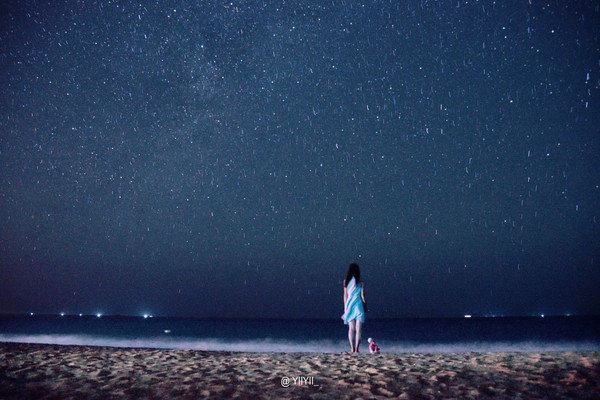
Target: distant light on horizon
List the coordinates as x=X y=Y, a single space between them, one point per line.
x=80 y=314
x=146 y=315
x=542 y=315
x=31 y=313
x=98 y=315
x=62 y=314
x=467 y=315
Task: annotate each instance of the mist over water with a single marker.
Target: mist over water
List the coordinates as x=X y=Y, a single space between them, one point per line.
x=325 y=336
x=287 y=346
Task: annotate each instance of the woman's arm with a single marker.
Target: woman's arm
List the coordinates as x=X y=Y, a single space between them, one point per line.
x=362 y=295
x=345 y=296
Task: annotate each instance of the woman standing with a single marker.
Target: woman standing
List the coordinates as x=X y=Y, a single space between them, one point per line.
x=354 y=305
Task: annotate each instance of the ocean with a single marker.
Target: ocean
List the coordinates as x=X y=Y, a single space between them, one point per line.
x=414 y=335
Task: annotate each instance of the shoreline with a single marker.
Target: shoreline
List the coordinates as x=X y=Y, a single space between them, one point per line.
x=75 y=371
x=277 y=345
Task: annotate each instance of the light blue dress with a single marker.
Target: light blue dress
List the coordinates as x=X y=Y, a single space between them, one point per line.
x=354 y=304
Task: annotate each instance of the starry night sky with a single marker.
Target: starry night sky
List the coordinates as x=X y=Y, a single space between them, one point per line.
x=230 y=159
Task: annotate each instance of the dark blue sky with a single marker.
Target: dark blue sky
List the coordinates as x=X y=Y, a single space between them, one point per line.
x=232 y=158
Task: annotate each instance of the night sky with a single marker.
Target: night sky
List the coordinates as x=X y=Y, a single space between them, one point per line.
x=230 y=159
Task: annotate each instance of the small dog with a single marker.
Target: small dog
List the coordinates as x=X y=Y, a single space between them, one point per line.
x=373 y=348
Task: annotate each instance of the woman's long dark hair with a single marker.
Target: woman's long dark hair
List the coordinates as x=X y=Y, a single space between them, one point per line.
x=353 y=271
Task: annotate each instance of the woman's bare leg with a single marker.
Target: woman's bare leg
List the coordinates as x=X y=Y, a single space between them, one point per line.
x=358 y=333
x=351 y=325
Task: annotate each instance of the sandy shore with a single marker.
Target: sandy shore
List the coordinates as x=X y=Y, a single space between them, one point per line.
x=62 y=372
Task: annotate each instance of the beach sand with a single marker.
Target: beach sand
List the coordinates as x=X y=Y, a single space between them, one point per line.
x=63 y=372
